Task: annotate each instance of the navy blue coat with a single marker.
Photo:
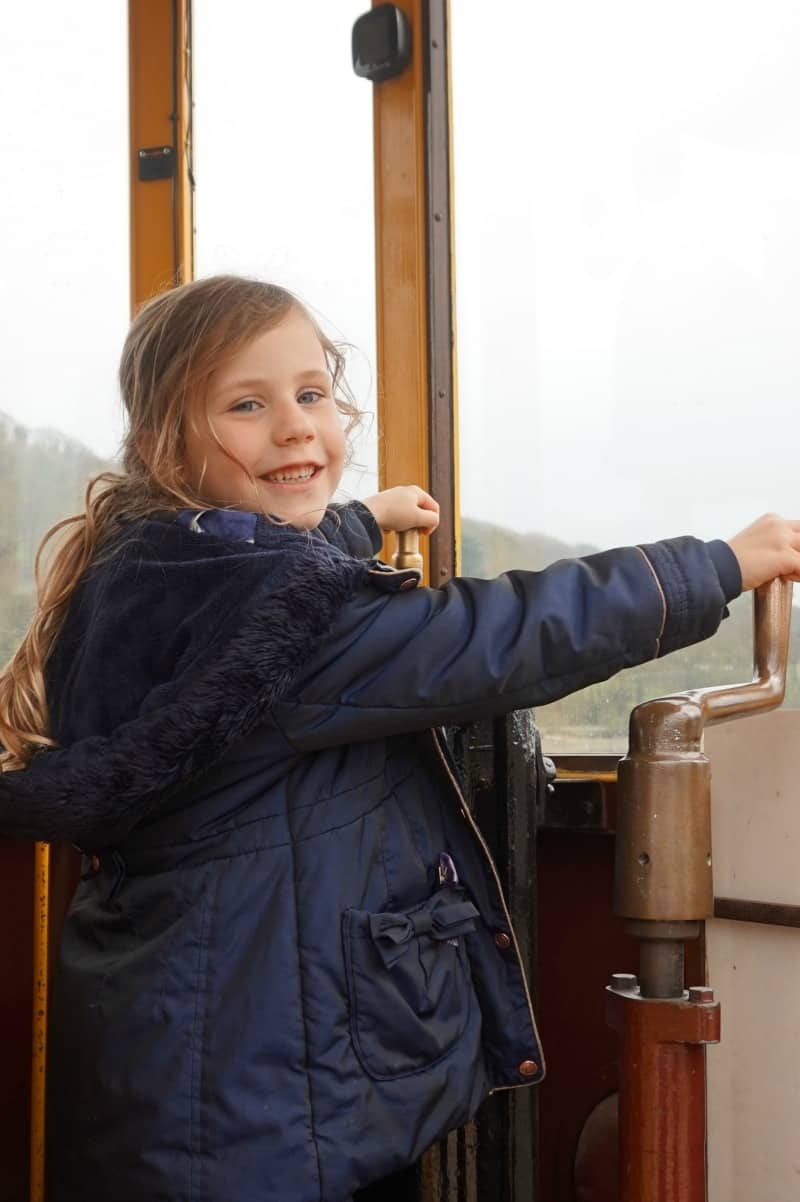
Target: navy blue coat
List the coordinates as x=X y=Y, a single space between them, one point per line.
x=282 y=982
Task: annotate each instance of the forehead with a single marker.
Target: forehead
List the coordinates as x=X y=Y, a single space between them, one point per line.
x=289 y=349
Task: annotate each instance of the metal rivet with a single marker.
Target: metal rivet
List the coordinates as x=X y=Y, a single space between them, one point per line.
x=644 y=859
x=502 y=939
x=94 y=863
x=528 y=1068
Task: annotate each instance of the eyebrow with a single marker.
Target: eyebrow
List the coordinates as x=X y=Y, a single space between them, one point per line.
x=312 y=376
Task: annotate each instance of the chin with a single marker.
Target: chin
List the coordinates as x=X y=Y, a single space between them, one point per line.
x=306 y=521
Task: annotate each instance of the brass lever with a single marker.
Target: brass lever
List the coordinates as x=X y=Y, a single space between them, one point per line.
x=663 y=862
x=408 y=554
x=659 y=724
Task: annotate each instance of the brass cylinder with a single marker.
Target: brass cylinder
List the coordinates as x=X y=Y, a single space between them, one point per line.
x=408 y=553
x=663 y=854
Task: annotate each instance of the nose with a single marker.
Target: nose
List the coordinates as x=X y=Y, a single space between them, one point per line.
x=291 y=423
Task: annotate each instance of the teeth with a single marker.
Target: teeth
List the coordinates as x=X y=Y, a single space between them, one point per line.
x=290 y=477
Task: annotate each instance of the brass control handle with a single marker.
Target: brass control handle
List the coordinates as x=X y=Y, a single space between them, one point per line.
x=663 y=856
x=408 y=554
x=666 y=722
x=772 y=618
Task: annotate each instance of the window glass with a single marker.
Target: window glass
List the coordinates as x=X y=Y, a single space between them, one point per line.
x=283 y=138
x=64 y=285
x=626 y=197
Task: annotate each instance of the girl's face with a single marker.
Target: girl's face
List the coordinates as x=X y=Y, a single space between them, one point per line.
x=271 y=407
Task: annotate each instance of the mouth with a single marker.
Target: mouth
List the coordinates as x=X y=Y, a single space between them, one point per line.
x=293 y=475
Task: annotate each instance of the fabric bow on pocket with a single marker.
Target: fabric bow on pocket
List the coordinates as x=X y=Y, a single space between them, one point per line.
x=445 y=916
x=409 y=983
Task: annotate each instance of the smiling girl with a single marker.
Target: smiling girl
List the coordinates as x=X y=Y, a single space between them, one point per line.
x=289 y=966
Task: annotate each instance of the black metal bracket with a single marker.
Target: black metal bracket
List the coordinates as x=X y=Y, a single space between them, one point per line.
x=155 y=162
x=381 y=43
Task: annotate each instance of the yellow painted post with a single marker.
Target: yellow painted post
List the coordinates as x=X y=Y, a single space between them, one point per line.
x=400 y=265
x=159 y=57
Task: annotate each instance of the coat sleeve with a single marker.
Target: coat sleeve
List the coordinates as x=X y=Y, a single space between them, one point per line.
x=353 y=529
x=478 y=648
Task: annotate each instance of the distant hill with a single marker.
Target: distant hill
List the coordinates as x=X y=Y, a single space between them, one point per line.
x=487 y=550
x=43 y=475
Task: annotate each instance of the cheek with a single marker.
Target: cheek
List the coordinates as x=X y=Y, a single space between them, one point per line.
x=338 y=446
x=193 y=454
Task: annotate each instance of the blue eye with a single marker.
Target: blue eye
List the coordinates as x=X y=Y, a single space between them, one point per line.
x=240 y=406
x=308 y=397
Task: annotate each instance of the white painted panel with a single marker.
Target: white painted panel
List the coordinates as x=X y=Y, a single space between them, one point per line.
x=754 y=1074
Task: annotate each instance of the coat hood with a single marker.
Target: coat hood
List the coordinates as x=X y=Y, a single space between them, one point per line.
x=174 y=646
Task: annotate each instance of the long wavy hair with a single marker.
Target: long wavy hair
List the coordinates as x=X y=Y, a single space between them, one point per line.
x=174 y=344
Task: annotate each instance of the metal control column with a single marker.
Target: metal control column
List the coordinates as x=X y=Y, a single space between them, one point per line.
x=664 y=888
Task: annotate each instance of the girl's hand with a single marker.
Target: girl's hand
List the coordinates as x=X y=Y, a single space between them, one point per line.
x=768 y=548
x=405 y=507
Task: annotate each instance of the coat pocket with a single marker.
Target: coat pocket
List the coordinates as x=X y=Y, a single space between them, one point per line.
x=408 y=982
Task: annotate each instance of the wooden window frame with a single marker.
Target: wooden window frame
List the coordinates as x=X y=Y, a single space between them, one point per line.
x=162 y=210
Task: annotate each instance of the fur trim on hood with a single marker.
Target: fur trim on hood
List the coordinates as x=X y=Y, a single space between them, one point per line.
x=174 y=646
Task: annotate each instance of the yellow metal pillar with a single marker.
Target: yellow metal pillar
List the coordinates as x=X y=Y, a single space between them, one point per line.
x=162 y=235
x=400 y=265
x=414 y=285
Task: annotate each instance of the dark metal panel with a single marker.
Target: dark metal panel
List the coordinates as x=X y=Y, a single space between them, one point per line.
x=16 y=943
x=439 y=236
x=502 y=770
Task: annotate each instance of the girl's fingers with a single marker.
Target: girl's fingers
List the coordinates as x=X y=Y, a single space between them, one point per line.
x=428 y=520
x=426 y=501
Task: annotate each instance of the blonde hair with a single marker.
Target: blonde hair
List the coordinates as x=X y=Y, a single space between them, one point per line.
x=174 y=344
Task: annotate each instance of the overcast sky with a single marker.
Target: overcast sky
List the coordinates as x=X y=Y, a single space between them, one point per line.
x=627 y=190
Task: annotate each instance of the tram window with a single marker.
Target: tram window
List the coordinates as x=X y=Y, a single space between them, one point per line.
x=627 y=181
x=283 y=163
x=64 y=285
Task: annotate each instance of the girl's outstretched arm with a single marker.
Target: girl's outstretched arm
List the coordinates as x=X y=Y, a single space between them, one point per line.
x=479 y=648
x=475 y=648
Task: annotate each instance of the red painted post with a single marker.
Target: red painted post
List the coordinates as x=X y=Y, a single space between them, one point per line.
x=663 y=1091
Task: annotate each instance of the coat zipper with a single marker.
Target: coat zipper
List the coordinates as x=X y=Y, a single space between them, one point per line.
x=493 y=868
